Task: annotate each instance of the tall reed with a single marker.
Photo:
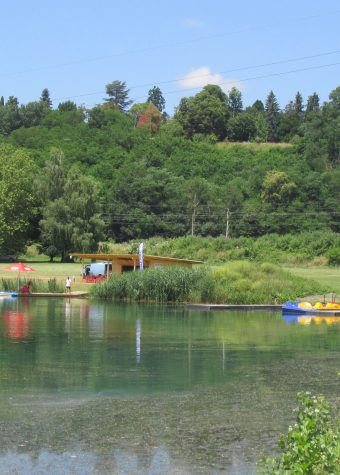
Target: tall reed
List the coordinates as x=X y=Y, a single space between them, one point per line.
x=36 y=285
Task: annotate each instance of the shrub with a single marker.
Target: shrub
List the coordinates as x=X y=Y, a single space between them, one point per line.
x=334 y=256
x=311 y=446
x=33 y=250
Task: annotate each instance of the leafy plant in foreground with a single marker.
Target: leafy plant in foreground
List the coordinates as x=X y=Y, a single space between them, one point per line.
x=312 y=444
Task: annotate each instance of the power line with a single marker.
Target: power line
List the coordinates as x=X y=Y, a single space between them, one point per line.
x=281 y=73
x=174 y=44
x=171 y=218
x=243 y=68
x=208 y=207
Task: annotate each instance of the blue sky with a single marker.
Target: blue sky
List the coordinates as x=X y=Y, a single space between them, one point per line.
x=75 y=47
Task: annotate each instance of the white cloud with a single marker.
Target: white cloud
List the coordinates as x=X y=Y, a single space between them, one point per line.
x=200 y=77
x=192 y=23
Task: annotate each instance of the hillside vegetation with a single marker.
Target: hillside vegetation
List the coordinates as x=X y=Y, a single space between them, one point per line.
x=304 y=248
x=85 y=176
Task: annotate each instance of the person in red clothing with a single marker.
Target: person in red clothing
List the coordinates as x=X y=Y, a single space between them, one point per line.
x=26 y=288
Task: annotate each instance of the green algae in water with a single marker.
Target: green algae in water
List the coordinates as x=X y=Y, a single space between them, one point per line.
x=145 y=389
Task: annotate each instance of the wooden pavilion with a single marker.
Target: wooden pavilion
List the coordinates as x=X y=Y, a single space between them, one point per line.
x=130 y=262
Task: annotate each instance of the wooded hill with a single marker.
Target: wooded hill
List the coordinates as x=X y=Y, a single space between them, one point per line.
x=71 y=177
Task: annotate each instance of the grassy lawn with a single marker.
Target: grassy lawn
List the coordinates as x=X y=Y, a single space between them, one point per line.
x=47 y=270
x=329 y=276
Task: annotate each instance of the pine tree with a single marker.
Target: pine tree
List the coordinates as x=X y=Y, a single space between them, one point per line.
x=45 y=97
x=313 y=103
x=118 y=95
x=272 y=115
x=2 y=101
x=298 y=104
x=156 y=97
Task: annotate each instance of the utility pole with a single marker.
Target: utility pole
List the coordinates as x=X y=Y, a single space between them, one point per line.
x=227 y=227
x=195 y=203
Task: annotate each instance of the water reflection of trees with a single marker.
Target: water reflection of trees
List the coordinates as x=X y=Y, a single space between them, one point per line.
x=77 y=344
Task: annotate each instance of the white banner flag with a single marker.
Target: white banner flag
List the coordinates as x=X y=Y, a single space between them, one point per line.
x=140 y=252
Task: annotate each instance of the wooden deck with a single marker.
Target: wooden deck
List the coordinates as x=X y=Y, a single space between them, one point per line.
x=56 y=294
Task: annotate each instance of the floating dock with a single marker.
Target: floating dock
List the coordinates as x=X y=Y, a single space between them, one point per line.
x=56 y=294
x=208 y=306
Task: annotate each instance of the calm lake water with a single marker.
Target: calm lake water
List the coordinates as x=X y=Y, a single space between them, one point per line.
x=100 y=388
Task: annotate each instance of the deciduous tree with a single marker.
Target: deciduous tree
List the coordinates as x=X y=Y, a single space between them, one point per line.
x=17 y=198
x=207 y=112
x=71 y=219
x=278 y=188
x=242 y=127
x=150 y=117
x=67 y=106
x=235 y=101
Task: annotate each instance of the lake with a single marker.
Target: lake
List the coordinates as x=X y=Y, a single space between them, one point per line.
x=89 y=387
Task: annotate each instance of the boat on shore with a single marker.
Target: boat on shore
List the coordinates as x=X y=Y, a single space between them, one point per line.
x=8 y=295
x=306 y=308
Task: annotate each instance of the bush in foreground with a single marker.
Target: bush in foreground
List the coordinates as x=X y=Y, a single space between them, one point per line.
x=312 y=445
x=240 y=282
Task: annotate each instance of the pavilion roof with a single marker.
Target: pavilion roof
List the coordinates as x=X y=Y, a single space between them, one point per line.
x=133 y=257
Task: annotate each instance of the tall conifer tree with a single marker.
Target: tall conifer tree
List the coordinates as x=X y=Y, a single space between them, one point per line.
x=298 y=104
x=156 y=97
x=272 y=115
x=45 y=98
x=313 y=103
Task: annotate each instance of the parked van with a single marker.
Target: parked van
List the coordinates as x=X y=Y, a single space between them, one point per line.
x=97 y=268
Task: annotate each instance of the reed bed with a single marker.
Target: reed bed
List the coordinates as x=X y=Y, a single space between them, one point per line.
x=36 y=285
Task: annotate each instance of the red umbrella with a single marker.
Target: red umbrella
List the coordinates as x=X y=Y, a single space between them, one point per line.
x=20 y=267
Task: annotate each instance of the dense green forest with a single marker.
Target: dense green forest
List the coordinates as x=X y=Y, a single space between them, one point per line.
x=72 y=177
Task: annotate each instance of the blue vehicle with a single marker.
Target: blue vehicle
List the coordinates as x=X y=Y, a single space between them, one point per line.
x=96 y=269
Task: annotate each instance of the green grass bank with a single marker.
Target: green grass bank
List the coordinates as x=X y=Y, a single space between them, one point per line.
x=238 y=282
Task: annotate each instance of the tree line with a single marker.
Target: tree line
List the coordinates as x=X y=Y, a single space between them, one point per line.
x=71 y=177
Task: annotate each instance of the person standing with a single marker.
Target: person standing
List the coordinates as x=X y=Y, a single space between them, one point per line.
x=68 y=284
